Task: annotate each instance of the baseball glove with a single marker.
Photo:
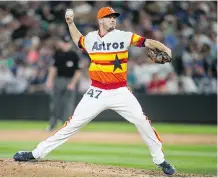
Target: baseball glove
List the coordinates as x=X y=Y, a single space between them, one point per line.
x=158 y=56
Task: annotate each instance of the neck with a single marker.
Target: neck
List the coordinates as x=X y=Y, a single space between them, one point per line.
x=102 y=31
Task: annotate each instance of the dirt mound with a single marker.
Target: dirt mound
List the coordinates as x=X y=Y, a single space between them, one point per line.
x=10 y=168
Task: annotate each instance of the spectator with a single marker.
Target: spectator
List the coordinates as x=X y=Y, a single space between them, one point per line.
x=208 y=84
x=157 y=85
x=189 y=28
x=172 y=86
x=131 y=77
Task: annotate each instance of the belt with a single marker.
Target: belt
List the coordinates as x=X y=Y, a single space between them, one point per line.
x=108 y=86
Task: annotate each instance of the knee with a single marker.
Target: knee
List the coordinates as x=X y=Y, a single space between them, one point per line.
x=139 y=119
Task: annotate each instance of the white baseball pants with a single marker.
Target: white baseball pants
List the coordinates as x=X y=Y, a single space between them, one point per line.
x=96 y=100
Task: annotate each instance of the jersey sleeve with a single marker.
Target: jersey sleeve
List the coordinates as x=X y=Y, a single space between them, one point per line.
x=84 y=41
x=137 y=40
x=81 y=42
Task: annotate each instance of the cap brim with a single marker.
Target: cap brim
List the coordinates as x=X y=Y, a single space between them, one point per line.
x=116 y=14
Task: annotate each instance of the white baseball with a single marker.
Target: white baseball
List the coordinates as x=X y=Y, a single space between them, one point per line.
x=69 y=13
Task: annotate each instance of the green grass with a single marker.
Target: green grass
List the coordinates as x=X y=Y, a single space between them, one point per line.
x=196 y=159
x=115 y=127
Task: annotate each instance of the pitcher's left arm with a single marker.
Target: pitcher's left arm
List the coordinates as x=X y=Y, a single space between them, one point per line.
x=157 y=51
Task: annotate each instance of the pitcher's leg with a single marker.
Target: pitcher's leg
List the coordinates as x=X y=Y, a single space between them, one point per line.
x=148 y=135
x=152 y=139
x=128 y=107
x=86 y=110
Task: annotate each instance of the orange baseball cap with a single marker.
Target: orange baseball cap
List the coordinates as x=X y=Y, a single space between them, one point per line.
x=104 y=11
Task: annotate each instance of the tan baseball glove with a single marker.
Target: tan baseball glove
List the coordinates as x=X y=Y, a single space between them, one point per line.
x=158 y=52
x=158 y=56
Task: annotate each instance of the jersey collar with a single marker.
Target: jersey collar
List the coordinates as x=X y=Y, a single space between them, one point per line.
x=100 y=34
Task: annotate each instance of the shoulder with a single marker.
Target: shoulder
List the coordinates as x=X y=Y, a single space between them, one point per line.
x=123 y=34
x=91 y=34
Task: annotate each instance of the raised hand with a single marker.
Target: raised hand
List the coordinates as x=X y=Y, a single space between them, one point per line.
x=69 y=15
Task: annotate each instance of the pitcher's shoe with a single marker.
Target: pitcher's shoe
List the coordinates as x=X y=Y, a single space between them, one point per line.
x=167 y=168
x=23 y=156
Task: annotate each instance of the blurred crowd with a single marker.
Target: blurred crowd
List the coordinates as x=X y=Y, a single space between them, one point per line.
x=29 y=31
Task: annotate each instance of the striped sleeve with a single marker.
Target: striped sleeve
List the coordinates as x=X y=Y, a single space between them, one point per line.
x=81 y=42
x=137 y=40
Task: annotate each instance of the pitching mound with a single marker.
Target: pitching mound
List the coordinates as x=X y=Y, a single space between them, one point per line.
x=10 y=168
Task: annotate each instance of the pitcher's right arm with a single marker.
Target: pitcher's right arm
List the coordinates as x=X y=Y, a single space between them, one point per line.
x=74 y=32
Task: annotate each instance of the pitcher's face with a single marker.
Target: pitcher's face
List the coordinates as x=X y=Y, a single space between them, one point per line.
x=109 y=22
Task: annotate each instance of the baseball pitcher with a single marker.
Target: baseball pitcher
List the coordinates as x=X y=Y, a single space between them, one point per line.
x=108 y=50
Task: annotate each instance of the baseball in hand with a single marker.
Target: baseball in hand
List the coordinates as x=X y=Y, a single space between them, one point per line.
x=69 y=13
